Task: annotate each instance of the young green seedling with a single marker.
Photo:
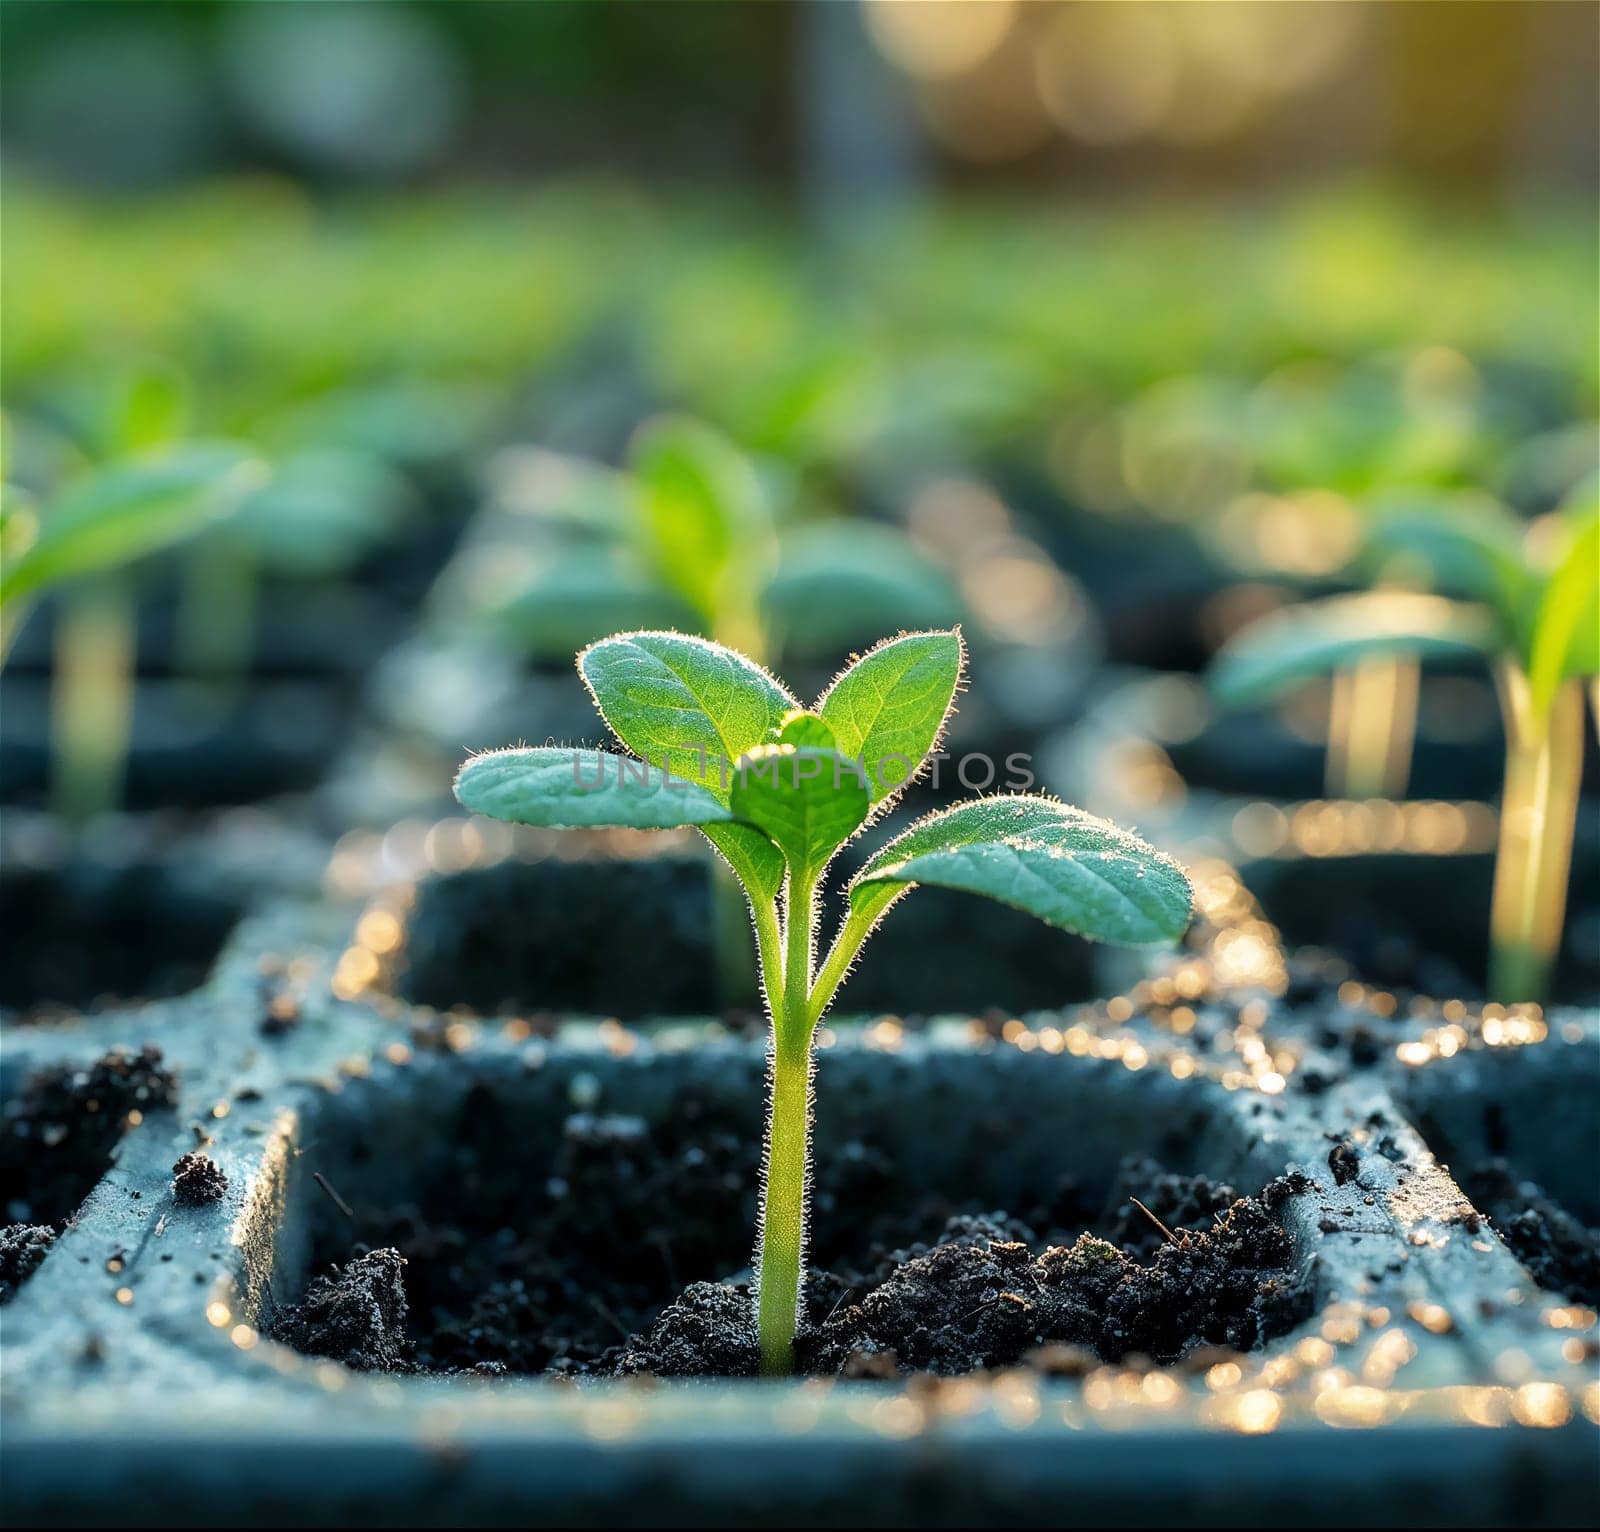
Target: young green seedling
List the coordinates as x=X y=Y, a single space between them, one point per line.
x=1534 y=614
x=84 y=541
x=691 y=537
x=718 y=743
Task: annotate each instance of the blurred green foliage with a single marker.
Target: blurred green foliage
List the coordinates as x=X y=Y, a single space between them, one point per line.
x=981 y=318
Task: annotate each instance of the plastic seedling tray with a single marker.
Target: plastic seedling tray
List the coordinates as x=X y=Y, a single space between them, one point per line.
x=1432 y=1380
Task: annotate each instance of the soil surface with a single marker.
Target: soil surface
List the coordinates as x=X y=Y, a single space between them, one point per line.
x=56 y=1140
x=1561 y=1253
x=632 y=1256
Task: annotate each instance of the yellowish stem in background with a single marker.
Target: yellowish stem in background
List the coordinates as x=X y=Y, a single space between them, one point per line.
x=1372 y=727
x=92 y=698
x=1544 y=762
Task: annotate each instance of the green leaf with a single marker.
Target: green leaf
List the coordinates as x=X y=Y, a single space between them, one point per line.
x=321 y=511
x=756 y=862
x=807 y=801
x=1458 y=546
x=1066 y=867
x=706 y=518
x=132 y=407
x=131 y=510
x=1291 y=646
x=801 y=728
x=148 y=408
x=571 y=598
x=570 y=492
x=565 y=787
x=887 y=709
x=403 y=421
x=685 y=703
x=1566 y=633
x=840 y=584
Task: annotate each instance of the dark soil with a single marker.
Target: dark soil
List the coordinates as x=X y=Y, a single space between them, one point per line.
x=62 y=1125
x=982 y=1295
x=22 y=1247
x=1561 y=1253
x=56 y=1139
x=627 y=1258
x=196 y=1180
x=356 y=1313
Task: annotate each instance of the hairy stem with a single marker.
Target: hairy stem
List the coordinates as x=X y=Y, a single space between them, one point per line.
x=92 y=698
x=1538 y=812
x=783 y=1211
x=783 y=1192
x=769 y=951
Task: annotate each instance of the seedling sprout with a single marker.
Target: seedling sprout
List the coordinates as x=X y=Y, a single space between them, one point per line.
x=1534 y=613
x=84 y=541
x=719 y=743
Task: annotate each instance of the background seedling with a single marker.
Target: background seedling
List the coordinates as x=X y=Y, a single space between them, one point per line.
x=320 y=513
x=1526 y=600
x=777 y=789
x=84 y=541
x=701 y=535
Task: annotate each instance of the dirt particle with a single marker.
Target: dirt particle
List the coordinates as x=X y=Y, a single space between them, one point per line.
x=356 y=1314
x=23 y=1247
x=1344 y=1161
x=196 y=1180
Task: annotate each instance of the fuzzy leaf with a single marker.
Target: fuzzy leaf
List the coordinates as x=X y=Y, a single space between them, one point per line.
x=807 y=801
x=565 y=787
x=685 y=703
x=1289 y=647
x=130 y=510
x=756 y=862
x=1066 y=867
x=802 y=727
x=887 y=710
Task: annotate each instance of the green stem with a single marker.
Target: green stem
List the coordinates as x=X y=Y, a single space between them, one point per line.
x=784 y=1205
x=1372 y=728
x=769 y=949
x=1538 y=812
x=92 y=698
x=783 y=1193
